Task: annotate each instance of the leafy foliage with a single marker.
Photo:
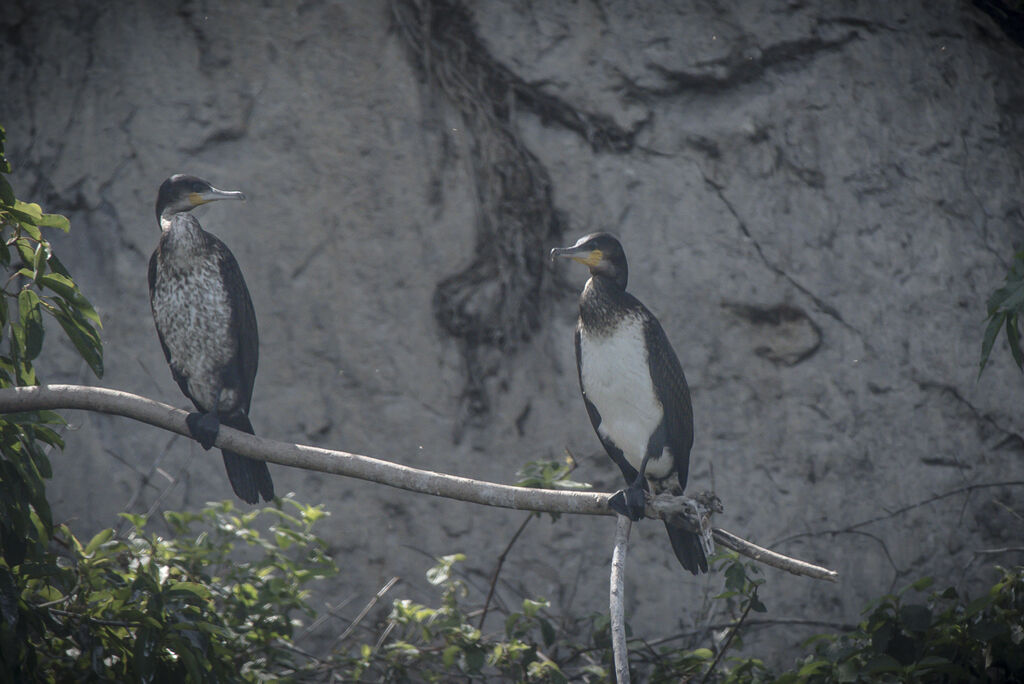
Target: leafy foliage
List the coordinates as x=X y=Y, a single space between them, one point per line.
x=420 y=642
x=1005 y=306
x=550 y=475
x=943 y=638
x=436 y=644
x=37 y=283
x=143 y=607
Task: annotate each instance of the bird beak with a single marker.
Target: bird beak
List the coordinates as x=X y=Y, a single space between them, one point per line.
x=213 y=194
x=584 y=255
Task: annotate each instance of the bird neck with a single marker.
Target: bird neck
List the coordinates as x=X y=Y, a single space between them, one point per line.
x=602 y=303
x=181 y=233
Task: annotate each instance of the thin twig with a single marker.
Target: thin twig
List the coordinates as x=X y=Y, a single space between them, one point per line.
x=95 y=621
x=384 y=635
x=728 y=640
x=773 y=622
x=63 y=599
x=497 y=569
x=616 y=609
x=327 y=615
x=366 y=609
x=904 y=509
x=776 y=560
x=1006 y=549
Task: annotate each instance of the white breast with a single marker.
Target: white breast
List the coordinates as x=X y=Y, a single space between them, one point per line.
x=616 y=378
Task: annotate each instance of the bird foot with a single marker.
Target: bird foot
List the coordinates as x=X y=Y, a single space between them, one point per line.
x=629 y=502
x=204 y=428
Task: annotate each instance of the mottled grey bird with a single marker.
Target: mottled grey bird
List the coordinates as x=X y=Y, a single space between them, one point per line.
x=634 y=388
x=207 y=326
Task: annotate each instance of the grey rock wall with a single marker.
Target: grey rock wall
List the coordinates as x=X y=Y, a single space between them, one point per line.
x=816 y=199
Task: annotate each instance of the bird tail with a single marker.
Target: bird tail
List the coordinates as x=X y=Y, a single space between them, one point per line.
x=687 y=548
x=249 y=477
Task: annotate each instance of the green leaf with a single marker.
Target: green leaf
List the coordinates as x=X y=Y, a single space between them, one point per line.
x=6 y=191
x=991 y=333
x=191 y=587
x=814 y=667
x=82 y=335
x=67 y=289
x=1013 y=338
x=28 y=225
x=55 y=221
x=192 y=665
x=31 y=320
x=1014 y=299
x=26 y=250
x=531 y=607
x=978 y=605
x=474 y=658
x=735 y=577
x=31 y=210
x=882 y=663
x=848 y=672
x=449 y=655
x=102 y=537
x=916 y=618
x=923 y=583
x=39 y=258
x=547 y=632
x=988 y=630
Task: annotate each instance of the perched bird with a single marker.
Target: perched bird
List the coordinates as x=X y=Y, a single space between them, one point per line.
x=207 y=326
x=633 y=387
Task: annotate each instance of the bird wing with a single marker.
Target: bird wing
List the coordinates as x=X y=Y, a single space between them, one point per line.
x=673 y=393
x=628 y=471
x=240 y=372
x=176 y=373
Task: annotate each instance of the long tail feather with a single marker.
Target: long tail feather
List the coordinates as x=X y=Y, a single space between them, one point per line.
x=249 y=477
x=687 y=548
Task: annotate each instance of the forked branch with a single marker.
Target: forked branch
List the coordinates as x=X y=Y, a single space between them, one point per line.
x=167 y=417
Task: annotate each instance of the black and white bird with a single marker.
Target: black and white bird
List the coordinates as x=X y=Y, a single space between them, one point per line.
x=207 y=326
x=634 y=388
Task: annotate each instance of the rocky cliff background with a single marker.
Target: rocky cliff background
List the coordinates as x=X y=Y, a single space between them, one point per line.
x=816 y=199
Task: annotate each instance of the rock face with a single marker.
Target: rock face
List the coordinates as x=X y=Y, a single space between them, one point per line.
x=816 y=199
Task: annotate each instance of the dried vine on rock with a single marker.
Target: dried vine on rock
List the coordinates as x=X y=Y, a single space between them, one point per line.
x=494 y=303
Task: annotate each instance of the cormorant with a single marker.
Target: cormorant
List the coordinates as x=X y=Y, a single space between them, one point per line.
x=207 y=326
x=633 y=387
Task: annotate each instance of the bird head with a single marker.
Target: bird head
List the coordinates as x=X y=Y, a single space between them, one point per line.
x=181 y=193
x=601 y=253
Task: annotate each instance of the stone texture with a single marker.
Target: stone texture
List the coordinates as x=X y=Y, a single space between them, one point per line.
x=816 y=202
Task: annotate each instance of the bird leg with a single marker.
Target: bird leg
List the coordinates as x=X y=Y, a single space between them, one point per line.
x=204 y=427
x=631 y=501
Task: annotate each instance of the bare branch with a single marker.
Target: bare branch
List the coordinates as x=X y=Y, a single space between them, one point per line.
x=776 y=560
x=167 y=417
x=497 y=569
x=732 y=634
x=616 y=600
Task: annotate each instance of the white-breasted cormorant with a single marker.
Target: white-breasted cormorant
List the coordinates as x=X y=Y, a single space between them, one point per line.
x=633 y=387
x=207 y=326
